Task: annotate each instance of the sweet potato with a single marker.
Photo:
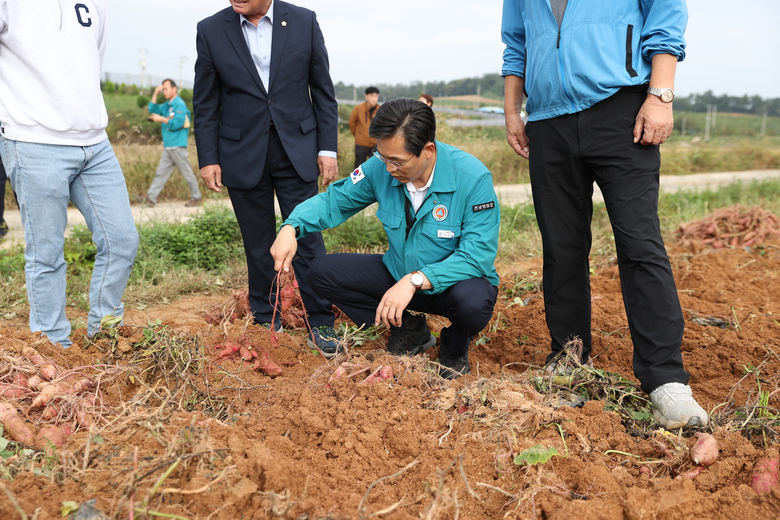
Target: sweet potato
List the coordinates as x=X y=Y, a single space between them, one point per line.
x=15 y=425
x=12 y=391
x=34 y=383
x=242 y=297
x=48 y=394
x=692 y=474
x=229 y=348
x=764 y=476
x=84 y=419
x=51 y=412
x=705 y=450
x=337 y=374
x=382 y=373
x=287 y=297
x=266 y=365
x=47 y=369
x=50 y=434
x=245 y=354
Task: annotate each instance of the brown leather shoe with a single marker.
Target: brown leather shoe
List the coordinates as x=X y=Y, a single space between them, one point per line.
x=192 y=203
x=145 y=199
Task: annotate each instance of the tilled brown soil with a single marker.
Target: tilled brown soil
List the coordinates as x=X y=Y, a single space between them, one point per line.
x=295 y=446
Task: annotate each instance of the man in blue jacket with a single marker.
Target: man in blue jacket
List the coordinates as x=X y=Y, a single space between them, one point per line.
x=175 y=118
x=439 y=210
x=599 y=78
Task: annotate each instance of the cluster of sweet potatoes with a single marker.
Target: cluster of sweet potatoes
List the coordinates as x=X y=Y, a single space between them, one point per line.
x=235 y=308
x=731 y=226
x=59 y=399
x=259 y=357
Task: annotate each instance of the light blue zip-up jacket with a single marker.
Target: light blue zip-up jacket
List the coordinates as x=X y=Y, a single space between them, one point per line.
x=455 y=234
x=601 y=46
x=173 y=132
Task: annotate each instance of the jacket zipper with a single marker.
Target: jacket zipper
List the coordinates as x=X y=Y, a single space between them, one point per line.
x=561 y=69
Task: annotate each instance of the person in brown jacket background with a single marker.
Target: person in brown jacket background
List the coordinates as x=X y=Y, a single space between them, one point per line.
x=359 y=121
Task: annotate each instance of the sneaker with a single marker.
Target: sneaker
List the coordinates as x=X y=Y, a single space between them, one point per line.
x=192 y=203
x=451 y=367
x=3 y=229
x=326 y=341
x=279 y=328
x=675 y=407
x=412 y=337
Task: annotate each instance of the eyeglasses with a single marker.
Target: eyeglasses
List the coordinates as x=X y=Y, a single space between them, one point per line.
x=394 y=164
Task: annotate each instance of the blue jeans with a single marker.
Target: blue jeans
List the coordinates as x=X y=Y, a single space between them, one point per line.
x=45 y=178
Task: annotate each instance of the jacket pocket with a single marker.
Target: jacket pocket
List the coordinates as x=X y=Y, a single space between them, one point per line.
x=307 y=125
x=440 y=241
x=230 y=132
x=630 y=51
x=388 y=220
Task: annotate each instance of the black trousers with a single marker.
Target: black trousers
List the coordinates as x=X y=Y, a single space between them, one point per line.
x=362 y=154
x=569 y=153
x=255 y=214
x=356 y=283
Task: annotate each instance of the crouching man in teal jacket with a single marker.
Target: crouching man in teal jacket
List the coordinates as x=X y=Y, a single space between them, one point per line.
x=439 y=210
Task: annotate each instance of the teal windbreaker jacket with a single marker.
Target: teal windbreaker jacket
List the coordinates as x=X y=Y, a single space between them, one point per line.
x=455 y=232
x=173 y=132
x=600 y=47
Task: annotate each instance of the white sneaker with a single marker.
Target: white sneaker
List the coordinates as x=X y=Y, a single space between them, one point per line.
x=675 y=407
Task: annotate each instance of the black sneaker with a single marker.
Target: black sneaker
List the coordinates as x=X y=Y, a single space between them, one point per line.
x=3 y=229
x=411 y=338
x=451 y=367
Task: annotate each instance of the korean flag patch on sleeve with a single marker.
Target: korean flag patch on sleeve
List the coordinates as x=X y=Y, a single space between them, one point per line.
x=357 y=175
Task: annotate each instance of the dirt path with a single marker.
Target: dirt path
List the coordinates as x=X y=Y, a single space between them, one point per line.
x=511 y=194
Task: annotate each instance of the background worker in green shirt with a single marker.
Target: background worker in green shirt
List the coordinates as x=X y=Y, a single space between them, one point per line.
x=175 y=118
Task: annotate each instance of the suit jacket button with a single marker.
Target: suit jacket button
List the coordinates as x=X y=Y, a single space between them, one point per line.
x=270 y=102
x=265 y=131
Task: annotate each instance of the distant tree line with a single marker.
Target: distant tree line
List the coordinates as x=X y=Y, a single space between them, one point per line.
x=492 y=86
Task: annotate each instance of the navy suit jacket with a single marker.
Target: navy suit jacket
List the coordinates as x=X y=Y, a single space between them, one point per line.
x=233 y=109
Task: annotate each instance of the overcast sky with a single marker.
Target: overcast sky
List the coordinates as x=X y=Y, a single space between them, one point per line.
x=731 y=49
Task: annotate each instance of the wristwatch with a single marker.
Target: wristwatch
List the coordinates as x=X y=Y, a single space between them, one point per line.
x=417 y=280
x=666 y=94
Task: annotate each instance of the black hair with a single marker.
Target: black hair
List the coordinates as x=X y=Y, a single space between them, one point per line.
x=173 y=83
x=412 y=119
x=372 y=90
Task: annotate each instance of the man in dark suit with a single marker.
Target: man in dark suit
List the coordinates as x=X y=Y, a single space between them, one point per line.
x=266 y=121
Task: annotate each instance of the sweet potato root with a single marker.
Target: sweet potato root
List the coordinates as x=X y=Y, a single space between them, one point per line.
x=384 y=372
x=705 y=451
x=266 y=365
x=764 y=476
x=50 y=434
x=12 y=391
x=15 y=425
x=692 y=474
x=47 y=369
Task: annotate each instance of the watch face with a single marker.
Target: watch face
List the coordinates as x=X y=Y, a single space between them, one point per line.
x=417 y=279
x=667 y=95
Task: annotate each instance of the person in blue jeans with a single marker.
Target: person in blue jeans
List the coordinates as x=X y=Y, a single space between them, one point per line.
x=55 y=149
x=175 y=118
x=3 y=178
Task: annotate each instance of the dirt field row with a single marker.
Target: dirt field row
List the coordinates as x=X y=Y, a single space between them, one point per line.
x=180 y=433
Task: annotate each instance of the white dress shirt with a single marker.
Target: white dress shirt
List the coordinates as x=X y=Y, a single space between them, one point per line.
x=418 y=194
x=259 y=40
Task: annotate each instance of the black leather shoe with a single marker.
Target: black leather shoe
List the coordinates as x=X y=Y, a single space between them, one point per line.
x=411 y=338
x=451 y=367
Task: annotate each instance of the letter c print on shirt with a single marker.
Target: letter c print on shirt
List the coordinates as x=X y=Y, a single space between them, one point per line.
x=88 y=21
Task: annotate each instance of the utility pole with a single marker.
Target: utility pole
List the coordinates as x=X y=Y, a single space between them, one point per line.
x=684 y=125
x=707 y=121
x=479 y=91
x=763 y=125
x=714 y=114
x=354 y=93
x=143 y=64
x=181 y=65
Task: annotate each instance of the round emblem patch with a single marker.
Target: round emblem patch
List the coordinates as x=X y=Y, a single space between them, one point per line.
x=440 y=212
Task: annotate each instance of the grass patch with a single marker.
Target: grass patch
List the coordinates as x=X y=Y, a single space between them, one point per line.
x=181 y=258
